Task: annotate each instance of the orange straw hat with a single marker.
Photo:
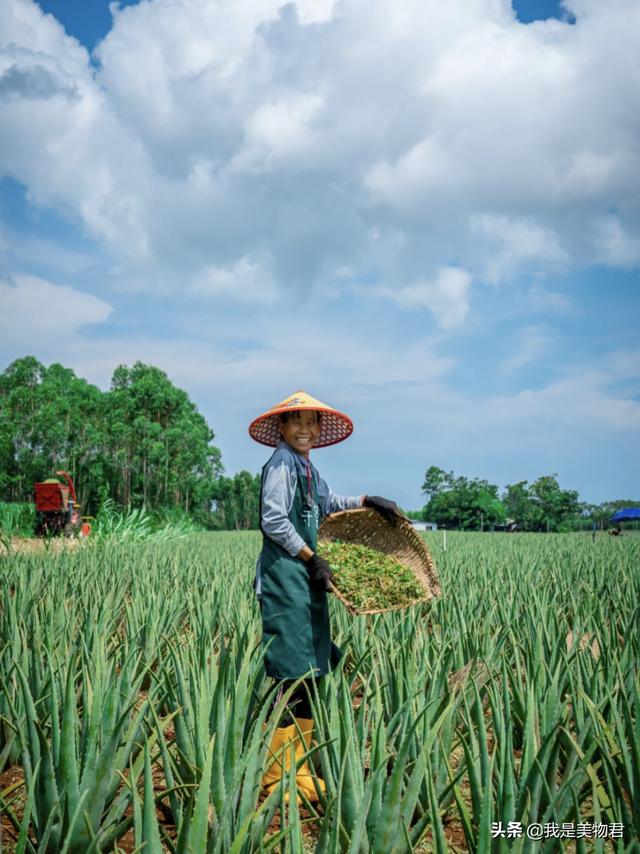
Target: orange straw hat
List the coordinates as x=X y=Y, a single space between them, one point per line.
x=334 y=426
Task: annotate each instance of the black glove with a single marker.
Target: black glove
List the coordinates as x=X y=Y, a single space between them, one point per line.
x=320 y=574
x=388 y=509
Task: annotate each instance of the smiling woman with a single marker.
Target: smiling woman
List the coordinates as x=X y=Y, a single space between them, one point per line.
x=300 y=430
x=291 y=579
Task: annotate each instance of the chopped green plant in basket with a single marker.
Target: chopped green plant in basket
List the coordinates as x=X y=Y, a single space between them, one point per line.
x=368 y=578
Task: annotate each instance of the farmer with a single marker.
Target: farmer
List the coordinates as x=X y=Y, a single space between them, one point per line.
x=291 y=579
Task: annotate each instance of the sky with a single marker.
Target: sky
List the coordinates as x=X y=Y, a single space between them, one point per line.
x=425 y=214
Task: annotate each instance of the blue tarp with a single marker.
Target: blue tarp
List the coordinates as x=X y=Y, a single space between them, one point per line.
x=628 y=514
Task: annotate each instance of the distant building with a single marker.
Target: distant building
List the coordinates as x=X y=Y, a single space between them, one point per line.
x=424 y=526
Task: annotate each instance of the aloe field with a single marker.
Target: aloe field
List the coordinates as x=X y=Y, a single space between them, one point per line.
x=135 y=714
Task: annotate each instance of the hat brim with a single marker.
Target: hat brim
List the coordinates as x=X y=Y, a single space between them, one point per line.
x=335 y=426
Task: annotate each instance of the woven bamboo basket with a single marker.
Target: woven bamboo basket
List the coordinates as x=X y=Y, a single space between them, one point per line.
x=401 y=541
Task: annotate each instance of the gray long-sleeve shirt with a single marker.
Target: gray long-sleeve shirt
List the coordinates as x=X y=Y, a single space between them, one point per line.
x=279 y=482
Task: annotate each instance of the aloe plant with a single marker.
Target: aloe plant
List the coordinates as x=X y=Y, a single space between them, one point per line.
x=133 y=699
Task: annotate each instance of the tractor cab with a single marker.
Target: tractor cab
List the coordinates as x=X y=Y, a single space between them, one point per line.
x=57 y=508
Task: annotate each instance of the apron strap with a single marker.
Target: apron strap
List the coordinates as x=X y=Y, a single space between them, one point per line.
x=309 y=488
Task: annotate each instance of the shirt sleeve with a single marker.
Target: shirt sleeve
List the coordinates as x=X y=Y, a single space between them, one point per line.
x=277 y=498
x=331 y=503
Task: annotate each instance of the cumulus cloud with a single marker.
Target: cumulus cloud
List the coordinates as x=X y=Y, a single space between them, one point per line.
x=245 y=281
x=35 y=82
x=446 y=296
x=218 y=131
x=616 y=245
x=275 y=132
x=588 y=399
x=516 y=242
x=40 y=312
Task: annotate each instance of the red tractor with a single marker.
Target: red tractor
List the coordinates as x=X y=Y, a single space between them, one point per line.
x=57 y=507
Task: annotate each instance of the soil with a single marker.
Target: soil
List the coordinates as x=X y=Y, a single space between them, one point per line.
x=34 y=545
x=11 y=776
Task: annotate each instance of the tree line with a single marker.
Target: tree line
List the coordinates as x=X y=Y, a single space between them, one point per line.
x=475 y=504
x=142 y=443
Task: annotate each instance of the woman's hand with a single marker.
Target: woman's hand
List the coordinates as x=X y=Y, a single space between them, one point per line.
x=320 y=574
x=388 y=509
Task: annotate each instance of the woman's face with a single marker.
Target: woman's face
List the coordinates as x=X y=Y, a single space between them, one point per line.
x=301 y=430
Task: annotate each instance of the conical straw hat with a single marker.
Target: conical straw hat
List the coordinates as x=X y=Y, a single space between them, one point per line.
x=335 y=426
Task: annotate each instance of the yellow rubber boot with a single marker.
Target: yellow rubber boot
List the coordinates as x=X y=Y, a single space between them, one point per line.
x=304 y=780
x=283 y=739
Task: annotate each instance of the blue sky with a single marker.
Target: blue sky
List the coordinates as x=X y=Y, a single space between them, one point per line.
x=429 y=218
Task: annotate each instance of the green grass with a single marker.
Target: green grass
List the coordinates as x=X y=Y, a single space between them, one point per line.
x=116 y=524
x=17 y=519
x=132 y=694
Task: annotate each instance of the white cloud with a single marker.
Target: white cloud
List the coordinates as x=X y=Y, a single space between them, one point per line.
x=446 y=296
x=617 y=247
x=218 y=130
x=246 y=281
x=21 y=250
x=277 y=132
x=579 y=401
x=532 y=343
x=624 y=365
x=548 y=301
x=533 y=423
x=427 y=169
x=516 y=242
x=35 y=311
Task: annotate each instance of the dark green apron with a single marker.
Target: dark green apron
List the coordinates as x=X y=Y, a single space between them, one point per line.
x=295 y=616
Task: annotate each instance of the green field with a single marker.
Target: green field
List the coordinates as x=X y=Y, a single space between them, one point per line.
x=133 y=702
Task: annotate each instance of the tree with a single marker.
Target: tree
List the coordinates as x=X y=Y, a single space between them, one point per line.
x=49 y=419
x=488 y=505
x=237 y=502
x=142 y=443
x=552 y=505
x=457 y=502
x=517 y=502
x=543 y=506
x=436 y=480
x=160 y=445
